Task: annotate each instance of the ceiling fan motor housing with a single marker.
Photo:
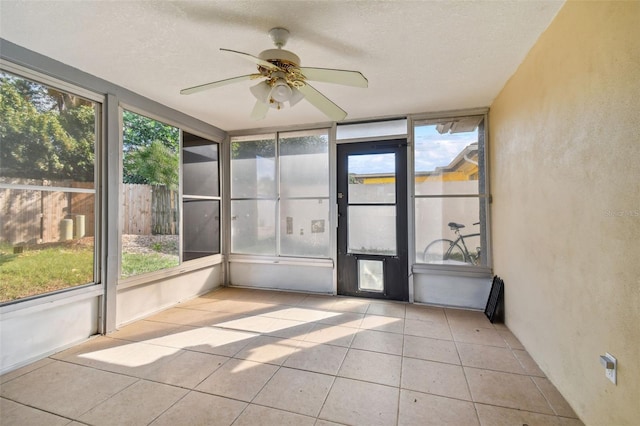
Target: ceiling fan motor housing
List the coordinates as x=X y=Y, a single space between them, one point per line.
x=280 y=55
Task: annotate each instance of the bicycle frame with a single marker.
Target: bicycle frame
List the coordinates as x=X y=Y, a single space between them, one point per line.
x=467 y=255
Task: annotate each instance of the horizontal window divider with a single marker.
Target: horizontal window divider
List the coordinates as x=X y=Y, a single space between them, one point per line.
x=305 y=198
x=282 y=260
x=454 y=196
x=47 y=188
x=457 y=271
x=187 y=266
x=255 y=199
x=201 y=197
x=372 y=138
x=50 y=300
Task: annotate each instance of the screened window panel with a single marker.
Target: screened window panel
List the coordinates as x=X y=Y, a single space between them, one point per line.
x=433 y=216
x=304 y=228
x=200 y=167
x=253 y=168
x=446 y=164
x=304 y=165
x=253 y=229
x=201 y=229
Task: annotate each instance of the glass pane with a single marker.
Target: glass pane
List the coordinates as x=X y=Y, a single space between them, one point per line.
x=372 y=178
x=46 y=241
x=253 y=168
x=304 y=228
x=47 y=141
x=370 y=275
x=47 y=135
x=151 y=209
x=201 y=228
x=372 y=230
x=437 y=242
x=373 y=129
x=447 y=157
x=199 y=166
x=253 y=229
x=304 y=164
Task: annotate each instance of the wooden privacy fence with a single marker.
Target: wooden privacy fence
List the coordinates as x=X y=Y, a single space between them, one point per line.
x=149 y=209
x=30 y=216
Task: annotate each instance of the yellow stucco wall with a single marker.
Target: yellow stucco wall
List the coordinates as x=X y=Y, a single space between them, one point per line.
x=565 y=173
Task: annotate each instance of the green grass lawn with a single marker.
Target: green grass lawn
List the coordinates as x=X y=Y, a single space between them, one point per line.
x=136 y=264
x=42 y=271
x=54 y=268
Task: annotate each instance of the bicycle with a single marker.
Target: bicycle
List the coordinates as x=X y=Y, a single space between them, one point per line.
x=447 y=251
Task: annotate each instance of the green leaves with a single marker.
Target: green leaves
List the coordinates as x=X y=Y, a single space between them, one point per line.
x=150 y=151
x=41 y=141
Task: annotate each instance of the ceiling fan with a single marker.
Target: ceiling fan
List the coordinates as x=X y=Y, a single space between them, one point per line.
x=286 y=81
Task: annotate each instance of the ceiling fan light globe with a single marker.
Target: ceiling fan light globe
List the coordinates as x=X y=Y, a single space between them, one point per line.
x=261 y=91
x=296 y=96
x=281 y=91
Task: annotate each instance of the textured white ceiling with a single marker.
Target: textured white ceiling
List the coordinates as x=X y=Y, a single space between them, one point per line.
x=419 y=56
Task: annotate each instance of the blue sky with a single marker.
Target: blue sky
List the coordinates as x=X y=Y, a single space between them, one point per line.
x=432 y=150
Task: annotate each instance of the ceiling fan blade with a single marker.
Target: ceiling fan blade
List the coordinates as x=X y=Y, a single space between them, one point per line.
x=259 y=110
x=253 y=59
x=323 y=103
x=327 y=75
x=207 y=86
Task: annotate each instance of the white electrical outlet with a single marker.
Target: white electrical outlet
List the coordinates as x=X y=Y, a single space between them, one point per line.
x=611 y=366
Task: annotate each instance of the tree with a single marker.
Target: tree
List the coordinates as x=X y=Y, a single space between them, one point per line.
x=41 y=140
x=150 y=151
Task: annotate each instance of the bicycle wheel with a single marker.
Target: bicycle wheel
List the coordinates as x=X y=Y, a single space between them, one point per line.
x=443 y=251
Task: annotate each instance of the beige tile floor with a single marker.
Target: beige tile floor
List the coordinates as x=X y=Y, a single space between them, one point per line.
x=249 y=357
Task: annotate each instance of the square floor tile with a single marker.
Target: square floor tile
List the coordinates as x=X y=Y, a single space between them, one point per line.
x=143 y=330
x=256 y=415
x=238 y=379
x=434 y=377
x=65 y=389
x=211 y=340
x=140 y=403
x=510 y=338
x=24 y=370
x=191 y=317
x=350 y=305
x=201 y=409
x=555 y=399
x=468 y=319
x=119 y=356
x=331 y=335
x=317 y=357
x=387 y=309
x=380 y=323
x=422 y=409
x=298 y=391
x=289 y=329
x=499 y=416
x=426 y=328
x=252 y=324
x=301 y=313
x=344 y=319
x=372 y=367
x=489 y=357
x=528 y=363
x=12 y=413
x=506 y=390
x=478 y=335
x=425 y=313
x=361 y=403
x=431 y=349
x=187 y=369
x=378 y=341
x=272 y=350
